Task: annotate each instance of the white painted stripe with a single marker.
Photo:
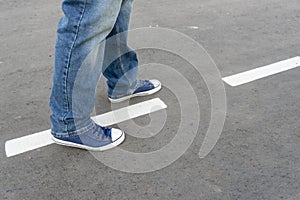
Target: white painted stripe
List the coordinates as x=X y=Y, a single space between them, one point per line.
x=27 y=143
x=193 y=27
x=130 y=112
x=30 y=142
x=261 y=72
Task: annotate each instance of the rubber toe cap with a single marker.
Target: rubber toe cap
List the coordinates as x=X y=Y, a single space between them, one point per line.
x=155 y=83
x=116 y=134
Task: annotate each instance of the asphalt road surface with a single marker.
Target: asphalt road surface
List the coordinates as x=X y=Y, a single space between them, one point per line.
x=257 y=155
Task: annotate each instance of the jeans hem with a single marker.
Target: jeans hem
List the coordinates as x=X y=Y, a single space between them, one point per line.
x=128 y=93
x=78 y=132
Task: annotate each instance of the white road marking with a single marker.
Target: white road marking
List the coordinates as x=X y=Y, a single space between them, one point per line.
x=34 y=141
x=261 y=72
x=193 y=27
x=27 y=143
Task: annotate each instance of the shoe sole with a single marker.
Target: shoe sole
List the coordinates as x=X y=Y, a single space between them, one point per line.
x=140 y=94
x=80 y=146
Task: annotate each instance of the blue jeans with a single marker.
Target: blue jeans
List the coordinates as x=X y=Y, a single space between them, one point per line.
x=88 y=44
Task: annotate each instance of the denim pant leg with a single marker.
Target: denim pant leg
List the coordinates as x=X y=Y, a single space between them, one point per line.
x=79 y=54
x=120 y=61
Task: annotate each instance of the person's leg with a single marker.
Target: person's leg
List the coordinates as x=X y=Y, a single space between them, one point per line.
x=120 y=61
x=78 y=53
x=121 y=64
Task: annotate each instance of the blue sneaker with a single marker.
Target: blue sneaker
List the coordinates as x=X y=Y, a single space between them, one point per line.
x=96 y=139
x=145 y=88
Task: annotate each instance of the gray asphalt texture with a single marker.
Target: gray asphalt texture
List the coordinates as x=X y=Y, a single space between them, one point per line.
x=258 y=154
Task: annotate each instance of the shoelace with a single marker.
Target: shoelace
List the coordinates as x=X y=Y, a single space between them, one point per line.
x=143 y=83
x=107 y=131
x=103 y=130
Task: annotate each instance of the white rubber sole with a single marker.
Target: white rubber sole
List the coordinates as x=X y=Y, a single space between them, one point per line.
x=80 y=146
x=140 y=94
